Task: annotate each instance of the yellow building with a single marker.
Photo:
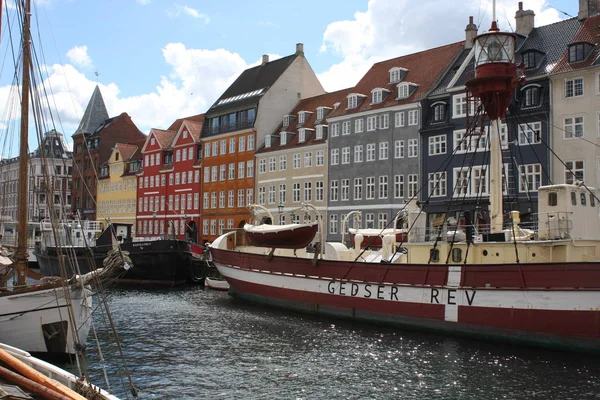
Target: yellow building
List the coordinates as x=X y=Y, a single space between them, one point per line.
x=117 y=185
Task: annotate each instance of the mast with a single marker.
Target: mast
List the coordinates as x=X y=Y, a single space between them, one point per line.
x=21 y=255
x=495 y=79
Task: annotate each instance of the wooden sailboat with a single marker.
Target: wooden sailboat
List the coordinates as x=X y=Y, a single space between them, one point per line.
x=51 y=317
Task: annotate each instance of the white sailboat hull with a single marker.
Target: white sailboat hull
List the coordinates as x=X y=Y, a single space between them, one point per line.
x=40 y=322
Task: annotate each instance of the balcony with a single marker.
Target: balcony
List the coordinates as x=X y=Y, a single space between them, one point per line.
x=224 y=128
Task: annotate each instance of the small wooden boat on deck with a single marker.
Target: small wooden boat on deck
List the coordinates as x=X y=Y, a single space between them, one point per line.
x=373 y=237
x=288 y=236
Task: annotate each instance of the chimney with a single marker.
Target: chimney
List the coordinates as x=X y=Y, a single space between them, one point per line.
x=588 y=8
x=524 y=20
x=265 y=59
x=470 y=33
x=300 y=49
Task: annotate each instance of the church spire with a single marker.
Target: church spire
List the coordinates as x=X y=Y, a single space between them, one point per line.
x=95 y=114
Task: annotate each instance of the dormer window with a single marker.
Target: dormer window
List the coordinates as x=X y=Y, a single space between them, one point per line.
x=352 y=101
x=301 y=135
x=439 y=112
x=396 y=74
x=286 y=121
x=577 y=52
x=319 y=132
x=531 y=96
x=268 y=141
x=336 y=105
x=529 y=60
x=301 y=117
x=405 y=89
x=376 y=96
x=320 y=113
x=282 y=138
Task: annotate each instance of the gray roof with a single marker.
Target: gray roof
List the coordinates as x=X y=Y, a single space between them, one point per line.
x=251 y=85
x=447 y=78
x=95 y=114
x=552 y=40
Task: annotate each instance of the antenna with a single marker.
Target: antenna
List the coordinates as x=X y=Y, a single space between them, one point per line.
x=493 y=10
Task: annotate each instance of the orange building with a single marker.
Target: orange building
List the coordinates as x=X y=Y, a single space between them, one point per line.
x=235 y=125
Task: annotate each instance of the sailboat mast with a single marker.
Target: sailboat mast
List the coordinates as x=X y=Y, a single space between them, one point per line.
x=21 y=255
x=496 y=209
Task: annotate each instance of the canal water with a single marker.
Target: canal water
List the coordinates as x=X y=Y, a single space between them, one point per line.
x=194 y=343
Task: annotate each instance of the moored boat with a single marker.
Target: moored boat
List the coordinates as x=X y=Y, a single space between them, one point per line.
x=537 y=284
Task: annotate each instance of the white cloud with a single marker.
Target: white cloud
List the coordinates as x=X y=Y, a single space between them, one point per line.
x=78 y=55
x=392 y=28
x=192 y=12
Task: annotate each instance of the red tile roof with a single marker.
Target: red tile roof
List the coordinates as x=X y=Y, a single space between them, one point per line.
x=425 y=68
x=309 y=104
x=126 y=150
x=164 y=137
x=177 y=124
x=589 y=32
x=194 y=128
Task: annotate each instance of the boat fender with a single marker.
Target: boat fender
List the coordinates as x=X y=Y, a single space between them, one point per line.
x=358 y=239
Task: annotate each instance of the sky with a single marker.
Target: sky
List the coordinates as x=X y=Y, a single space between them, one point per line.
x=159 y=60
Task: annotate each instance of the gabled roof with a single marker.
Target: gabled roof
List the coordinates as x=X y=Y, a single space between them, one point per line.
x=163 y=137
x=551 y=40
x=309 y=104
x=425 y=68
x=450 y=74
x=177 y=124
x=137 y=155
x=251 y=85
x=126 y=150
x=95 y=114
x=194 y=128
x=589 y=32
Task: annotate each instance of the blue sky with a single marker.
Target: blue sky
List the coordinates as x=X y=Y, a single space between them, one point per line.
x=159 y=60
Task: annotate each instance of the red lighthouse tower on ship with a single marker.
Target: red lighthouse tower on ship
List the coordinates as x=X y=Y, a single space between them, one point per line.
x=496 y=77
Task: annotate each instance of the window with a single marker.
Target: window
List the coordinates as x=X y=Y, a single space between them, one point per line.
x=574 y=170
x=231 y=174
x=262 y=166
x=376 y=96
x=250 y=142
x=308 y=159
x=223 y=146
x=296 y=160
x=403 y=90
x=530 y=133
x=530 y=177
x=437 y=184
x=531 y=96
x=573 y=87
x=399 y=149
x=282 y=139
x=319 y=132
x=301 y=117
x=576 y=52
x=242 y=144
x=395 y=75
x=529 y=60
x=437 y=145
x=333 y=224
x=413 y=147
x=262 y=194
x=439 y=112
x=272 y=164
x=271 y=194
x=357 y=188
x=371 y=152
x=286 y=121
x=358 y=153
x=268 y=141
x=383 y=187
x=215 y=148
x=282 y=163
x=358 y=125
x=383 y=150
x=346 y=155
x=383 y=121
x=240 y=198
x=301 y=135
x=320 y=113
x=241 y=169
x=335 y=157
x=573 y=127
x=369 y=220
x=345 y=128
x=413 y=117
x=471 y=181
x=371 y=123
x=413 y=185
x=370 y=189
x=250 y=169
x=213 y=173
x=320 y=158
x=398 y=186
x=352 y=101
x=334 y=191
x=345 y=189
x=460 y=106
x=282 y=189
x=382 y=220
x=249 y=196
x=319 y=190
x=335 y=130
x=399 y=119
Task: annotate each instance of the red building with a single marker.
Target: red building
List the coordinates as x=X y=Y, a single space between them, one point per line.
x=168 y=191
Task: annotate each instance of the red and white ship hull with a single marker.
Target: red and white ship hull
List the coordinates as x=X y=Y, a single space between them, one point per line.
x=548 y=305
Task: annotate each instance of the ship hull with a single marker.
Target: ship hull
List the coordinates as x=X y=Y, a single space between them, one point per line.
x=477 y=301
x=38 y=321
x=164 y=262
